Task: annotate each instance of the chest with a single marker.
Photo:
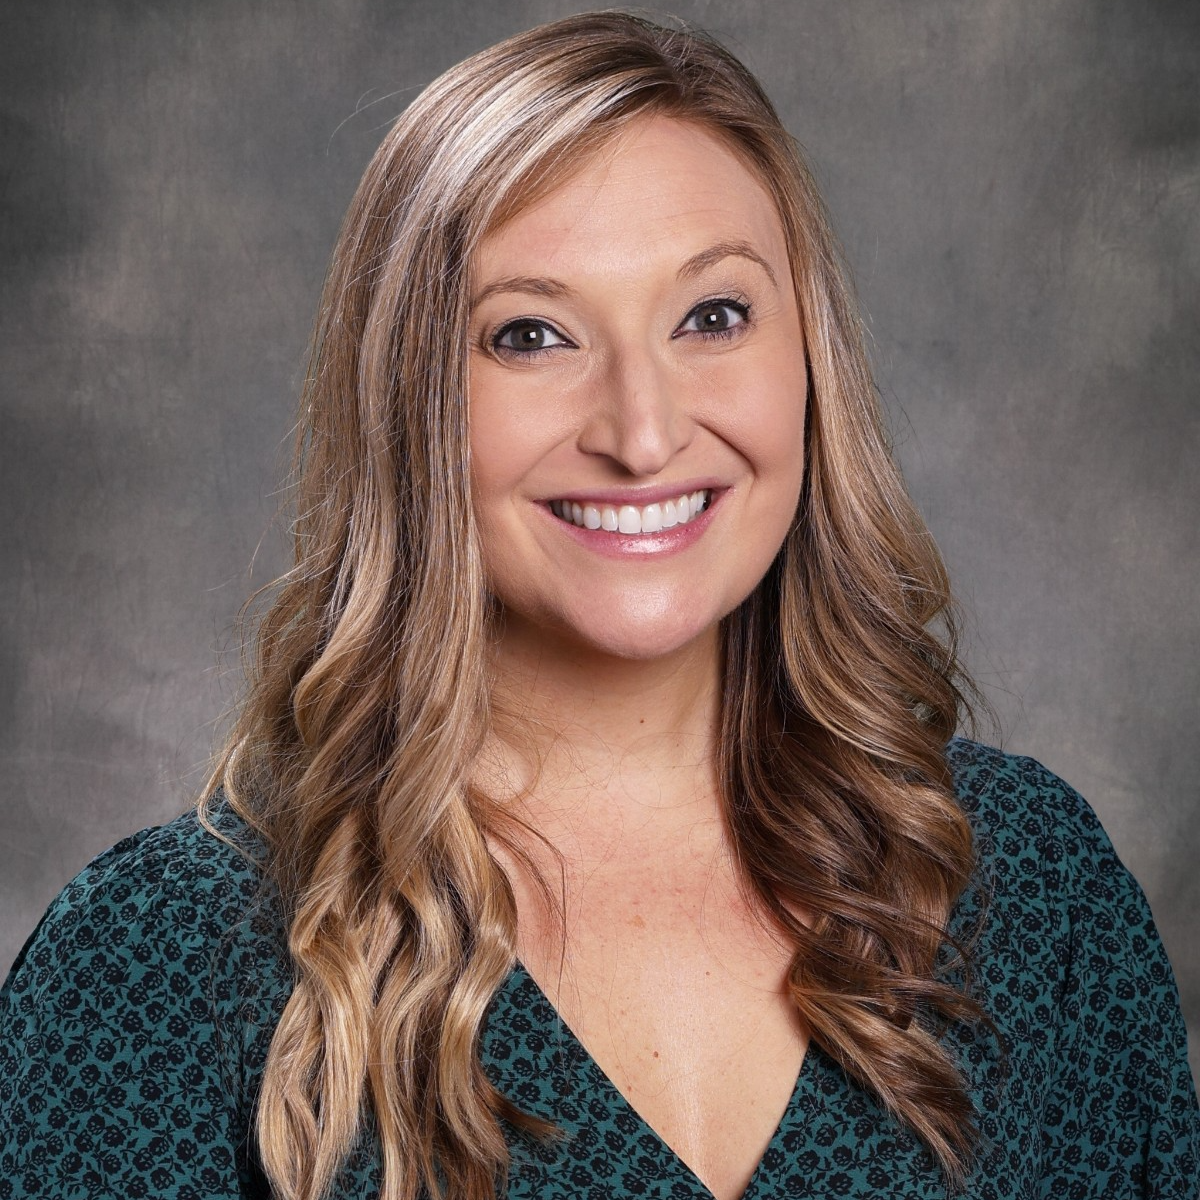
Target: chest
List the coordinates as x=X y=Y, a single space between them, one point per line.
x=832 y=1138
x=677 y=992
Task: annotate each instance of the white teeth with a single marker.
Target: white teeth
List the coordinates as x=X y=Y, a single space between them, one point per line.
x=628 y=519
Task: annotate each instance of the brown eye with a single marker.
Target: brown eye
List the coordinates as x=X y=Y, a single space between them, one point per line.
x=527 y=337
x=715 y=317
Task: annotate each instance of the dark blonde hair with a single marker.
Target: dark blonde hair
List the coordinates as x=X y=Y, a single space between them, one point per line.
x=368 y=704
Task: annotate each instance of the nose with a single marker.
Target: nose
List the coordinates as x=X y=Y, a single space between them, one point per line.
x=640 y=416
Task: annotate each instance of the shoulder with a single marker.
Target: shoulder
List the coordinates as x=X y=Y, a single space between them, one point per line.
x=1024 y=817
x=155 y=978
x=157 y=897
x=996 y=788
x=1057 y=916
x=1046 y=870
x=1070 y=968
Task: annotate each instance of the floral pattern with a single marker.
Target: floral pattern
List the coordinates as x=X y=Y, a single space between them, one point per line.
x=135 y=1023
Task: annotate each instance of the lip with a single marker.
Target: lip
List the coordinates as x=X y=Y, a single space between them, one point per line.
x=639 y=497
x=639 y=545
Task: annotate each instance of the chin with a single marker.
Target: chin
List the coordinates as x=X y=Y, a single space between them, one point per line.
x=638 y=628
x=645 y=637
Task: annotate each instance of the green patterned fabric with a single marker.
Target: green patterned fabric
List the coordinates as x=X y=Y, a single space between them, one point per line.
x=134 y=1026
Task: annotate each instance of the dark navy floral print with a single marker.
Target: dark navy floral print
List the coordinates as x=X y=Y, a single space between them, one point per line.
x=135 y=1024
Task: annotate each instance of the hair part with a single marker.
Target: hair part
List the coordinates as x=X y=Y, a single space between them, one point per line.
x=369 y=695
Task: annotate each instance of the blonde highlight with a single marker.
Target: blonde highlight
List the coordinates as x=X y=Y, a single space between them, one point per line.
x=369 y=696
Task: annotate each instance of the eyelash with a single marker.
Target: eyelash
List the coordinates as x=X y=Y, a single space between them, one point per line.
x=741 y=307
x=512 y=351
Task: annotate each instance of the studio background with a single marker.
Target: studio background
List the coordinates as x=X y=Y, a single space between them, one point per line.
x=1017 y=184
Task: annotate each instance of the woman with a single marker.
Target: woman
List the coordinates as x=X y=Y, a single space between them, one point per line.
x=592 y=825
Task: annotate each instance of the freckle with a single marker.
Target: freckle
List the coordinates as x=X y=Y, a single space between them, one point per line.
x=638 y=921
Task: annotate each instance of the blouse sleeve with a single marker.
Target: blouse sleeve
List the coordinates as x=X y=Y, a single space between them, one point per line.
x=117 y=1075
x=1120 y=1119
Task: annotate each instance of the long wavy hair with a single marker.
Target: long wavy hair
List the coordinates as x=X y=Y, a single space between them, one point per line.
x=368 y=701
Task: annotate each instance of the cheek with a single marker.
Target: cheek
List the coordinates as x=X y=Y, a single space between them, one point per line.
x=763 y=420
x=769 y=435
x=777 y=435
x=513 y=425
x=498 y=450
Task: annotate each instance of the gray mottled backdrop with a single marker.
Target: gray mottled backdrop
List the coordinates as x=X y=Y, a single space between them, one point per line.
x=1018 y=186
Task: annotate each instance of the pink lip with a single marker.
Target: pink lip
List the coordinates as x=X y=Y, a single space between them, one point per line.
x=639 y=545
x=638 y=497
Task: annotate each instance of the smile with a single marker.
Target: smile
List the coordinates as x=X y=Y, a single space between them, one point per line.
x=628 y=519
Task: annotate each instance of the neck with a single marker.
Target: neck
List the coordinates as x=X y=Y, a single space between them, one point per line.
x=584 y=737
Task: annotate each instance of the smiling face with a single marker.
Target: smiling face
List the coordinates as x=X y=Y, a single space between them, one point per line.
x=637 y=392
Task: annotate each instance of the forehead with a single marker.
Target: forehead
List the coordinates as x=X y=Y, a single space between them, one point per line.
x=660 y=188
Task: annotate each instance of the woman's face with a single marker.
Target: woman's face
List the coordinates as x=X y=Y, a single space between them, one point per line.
x=637 y=392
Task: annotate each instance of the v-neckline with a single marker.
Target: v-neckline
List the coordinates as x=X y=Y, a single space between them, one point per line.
x=620 y=1104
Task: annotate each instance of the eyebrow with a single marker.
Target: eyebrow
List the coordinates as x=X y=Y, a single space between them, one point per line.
x=714 y=254
x=535 y=285
x=538 y=285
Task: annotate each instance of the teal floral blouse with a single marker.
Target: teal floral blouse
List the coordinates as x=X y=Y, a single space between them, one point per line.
x=134 y=1026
